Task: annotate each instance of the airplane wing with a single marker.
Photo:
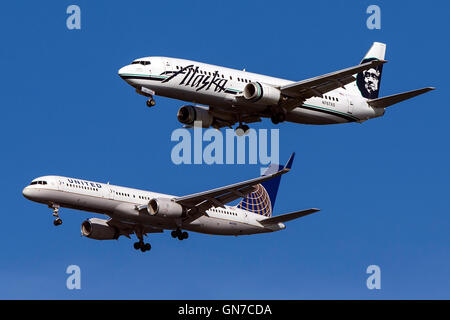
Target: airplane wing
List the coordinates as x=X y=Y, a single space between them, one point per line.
x=317 y=86
x=385 y=102
x=198 y=203
x=126 y=229
x=288 y=216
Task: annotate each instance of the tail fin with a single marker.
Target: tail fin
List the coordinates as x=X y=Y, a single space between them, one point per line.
x=262 y=200
x=368 y=82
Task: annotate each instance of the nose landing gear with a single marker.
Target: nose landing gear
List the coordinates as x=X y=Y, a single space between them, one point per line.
x=57 y=220
x=150 y=102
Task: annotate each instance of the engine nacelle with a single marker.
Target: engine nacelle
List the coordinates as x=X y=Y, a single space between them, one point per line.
x=189 y=114
x=165 y=207
x=99 y=229
x=261 y=94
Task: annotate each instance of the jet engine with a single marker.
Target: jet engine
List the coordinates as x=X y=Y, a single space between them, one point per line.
x=189 y=114
x=99 y=229
x=165 y=207
x=261 y=94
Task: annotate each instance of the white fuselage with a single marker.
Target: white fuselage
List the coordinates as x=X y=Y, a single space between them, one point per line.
x=218 y=87
x=121 y=203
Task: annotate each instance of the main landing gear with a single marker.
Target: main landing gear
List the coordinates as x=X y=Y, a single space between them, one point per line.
x=140 y=244
x=278 y=117
x=242 y=129
x=179 y=234
x=143 y=246
x=57 y=220
x=150 y=102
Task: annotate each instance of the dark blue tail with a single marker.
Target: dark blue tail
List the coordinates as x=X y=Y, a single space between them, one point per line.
x=263 y=199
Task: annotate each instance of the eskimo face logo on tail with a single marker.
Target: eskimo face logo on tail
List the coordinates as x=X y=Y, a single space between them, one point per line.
x=368 y=81
x=257 y=202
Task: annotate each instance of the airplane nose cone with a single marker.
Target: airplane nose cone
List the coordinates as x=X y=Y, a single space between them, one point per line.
x=121 y=71
x=124 y=71
x=26 y=192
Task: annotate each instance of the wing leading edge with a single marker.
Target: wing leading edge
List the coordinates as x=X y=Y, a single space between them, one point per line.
x=320 y=85
x=198 y=203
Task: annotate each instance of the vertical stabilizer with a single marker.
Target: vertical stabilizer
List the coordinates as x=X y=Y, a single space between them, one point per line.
x=368 y=82
x=262 y=200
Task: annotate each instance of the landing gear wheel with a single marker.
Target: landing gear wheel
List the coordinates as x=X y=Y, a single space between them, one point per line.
x=145 y=247
x=274 y=119
x=137 y=245
x=55 y=208
x=242 y=129
x=151 y=102
x=182 y=235
x=278 y=117
x=174 y=234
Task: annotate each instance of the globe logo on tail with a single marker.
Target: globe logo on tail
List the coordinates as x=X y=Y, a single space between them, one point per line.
x=257 y=202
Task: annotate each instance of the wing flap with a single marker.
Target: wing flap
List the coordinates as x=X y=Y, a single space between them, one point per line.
x=288 y=216
x=385 y=102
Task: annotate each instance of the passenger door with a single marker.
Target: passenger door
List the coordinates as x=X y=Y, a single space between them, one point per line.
x=350 y=105
x=168 y=67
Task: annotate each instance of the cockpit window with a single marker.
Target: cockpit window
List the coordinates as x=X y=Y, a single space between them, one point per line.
x=38 y=182
x=144 y=63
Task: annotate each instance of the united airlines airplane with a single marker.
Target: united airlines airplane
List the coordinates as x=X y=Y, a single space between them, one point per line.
x=142 y=212
x=228 y=96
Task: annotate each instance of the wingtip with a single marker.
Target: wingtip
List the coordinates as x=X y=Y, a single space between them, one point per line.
x=290 y=161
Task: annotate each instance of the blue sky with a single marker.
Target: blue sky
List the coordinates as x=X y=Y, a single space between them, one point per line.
x=382 y=185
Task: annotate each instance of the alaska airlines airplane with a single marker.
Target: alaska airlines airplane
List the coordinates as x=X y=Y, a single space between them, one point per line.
x=142 y=212
x=228 y=96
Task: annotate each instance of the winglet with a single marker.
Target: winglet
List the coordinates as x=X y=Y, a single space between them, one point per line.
x=288 y=165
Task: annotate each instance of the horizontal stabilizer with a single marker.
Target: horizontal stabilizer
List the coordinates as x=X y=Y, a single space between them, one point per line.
x=396 y=98
x=288 y=216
